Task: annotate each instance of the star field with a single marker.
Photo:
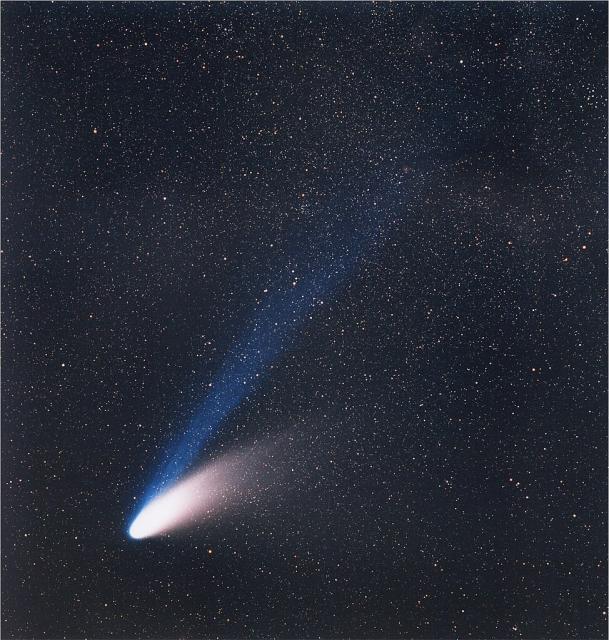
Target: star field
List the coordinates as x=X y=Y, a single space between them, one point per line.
x=439 y=420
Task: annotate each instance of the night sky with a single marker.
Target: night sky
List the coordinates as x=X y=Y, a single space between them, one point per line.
x=377 y=233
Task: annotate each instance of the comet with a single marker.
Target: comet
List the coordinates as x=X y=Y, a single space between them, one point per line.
x=319 y=261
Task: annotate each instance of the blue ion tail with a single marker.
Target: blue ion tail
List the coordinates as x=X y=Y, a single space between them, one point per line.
x=334 y=253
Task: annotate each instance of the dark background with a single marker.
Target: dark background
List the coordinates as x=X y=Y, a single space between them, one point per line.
x=450 y=400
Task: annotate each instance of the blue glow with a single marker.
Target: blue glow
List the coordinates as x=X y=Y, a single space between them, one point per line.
x=331 y=255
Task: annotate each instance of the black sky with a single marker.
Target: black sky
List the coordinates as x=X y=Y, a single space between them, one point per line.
x=448 y=405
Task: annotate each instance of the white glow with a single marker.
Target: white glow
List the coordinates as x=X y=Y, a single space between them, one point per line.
x=188 y=500
x=236 y=479
x=163 y=512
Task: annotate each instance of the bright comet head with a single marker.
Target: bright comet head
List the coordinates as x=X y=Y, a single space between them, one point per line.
x=194 y=497
x=166 y=511
x=158 y=515
x=183 y=503
x=235 y=479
